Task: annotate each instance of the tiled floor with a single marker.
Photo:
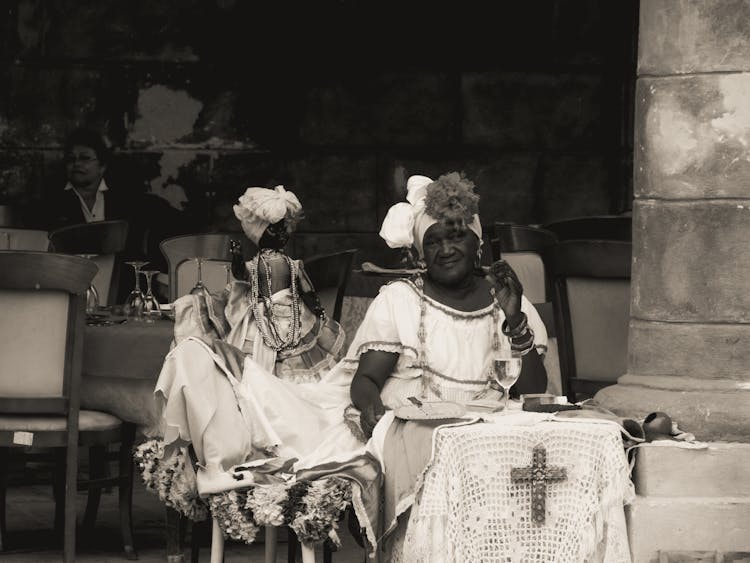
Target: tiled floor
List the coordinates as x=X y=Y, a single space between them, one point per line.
x=29 y=521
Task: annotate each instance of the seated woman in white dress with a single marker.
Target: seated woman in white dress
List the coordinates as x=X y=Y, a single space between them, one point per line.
x=434 y=337
x=430 y=337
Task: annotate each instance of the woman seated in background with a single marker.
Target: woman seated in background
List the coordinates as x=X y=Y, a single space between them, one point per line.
x=432 y=337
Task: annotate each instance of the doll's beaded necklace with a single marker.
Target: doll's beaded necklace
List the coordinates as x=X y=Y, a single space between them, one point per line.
x=267 y=323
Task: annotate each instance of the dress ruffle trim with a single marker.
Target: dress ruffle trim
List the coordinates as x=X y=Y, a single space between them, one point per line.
x=319 y=350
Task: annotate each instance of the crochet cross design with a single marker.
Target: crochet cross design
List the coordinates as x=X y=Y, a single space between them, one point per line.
x=538 y=475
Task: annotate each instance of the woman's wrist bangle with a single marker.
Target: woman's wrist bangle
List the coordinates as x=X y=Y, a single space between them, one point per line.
x=523 y=343
x=519 y=329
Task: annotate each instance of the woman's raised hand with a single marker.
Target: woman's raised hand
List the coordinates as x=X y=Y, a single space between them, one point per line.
x=508 y=288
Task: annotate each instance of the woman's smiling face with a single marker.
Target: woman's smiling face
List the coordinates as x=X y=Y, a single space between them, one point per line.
x=450 y=252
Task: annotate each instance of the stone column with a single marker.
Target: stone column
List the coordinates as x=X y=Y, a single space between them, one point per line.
x=690 y=301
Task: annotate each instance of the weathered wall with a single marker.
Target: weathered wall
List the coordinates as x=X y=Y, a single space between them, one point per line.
x=339 y=101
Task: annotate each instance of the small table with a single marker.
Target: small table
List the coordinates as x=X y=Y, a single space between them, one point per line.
x=121 y=364
x=476 y=503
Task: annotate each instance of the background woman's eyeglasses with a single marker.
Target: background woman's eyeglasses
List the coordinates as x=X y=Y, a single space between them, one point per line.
x=83 y=158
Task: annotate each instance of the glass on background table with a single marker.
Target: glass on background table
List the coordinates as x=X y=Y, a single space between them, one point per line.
x=151 y=306
x=134 y=301
x=92 y=295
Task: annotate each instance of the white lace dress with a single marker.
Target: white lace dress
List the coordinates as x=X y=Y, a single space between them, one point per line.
x=306 y=420
x=457 y=349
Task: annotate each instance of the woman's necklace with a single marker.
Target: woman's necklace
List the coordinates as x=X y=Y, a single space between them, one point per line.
x=422 y=362
x=267 y=323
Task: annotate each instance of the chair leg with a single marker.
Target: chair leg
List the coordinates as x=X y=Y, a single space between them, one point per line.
x=4 y=461
x=308 y=553
x=125 y=490
x=292 y=546
x=58 y=490
x=199 y=536
x=272 y=536
x=174 y=531
x=217 y=543
x=327 y=553
x=71 y=482
x=97 y=464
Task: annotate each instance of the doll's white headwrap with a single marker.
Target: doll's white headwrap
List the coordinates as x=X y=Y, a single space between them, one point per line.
x=406 y=223
x=260 y=207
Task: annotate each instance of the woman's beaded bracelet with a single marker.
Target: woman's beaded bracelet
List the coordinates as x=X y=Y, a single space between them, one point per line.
x=521 y=337
x=519 y=330
x=524 y=343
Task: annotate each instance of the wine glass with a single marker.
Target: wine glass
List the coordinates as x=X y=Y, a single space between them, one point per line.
x=151 y=306
x=92 y=295
x=134 y=302
x=507 y=367
x=199 y=288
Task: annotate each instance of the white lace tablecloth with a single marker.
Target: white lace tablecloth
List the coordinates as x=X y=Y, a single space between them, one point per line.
x=469 y=510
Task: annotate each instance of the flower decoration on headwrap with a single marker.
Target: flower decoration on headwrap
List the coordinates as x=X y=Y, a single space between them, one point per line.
x=260 y=207
x=450 y=199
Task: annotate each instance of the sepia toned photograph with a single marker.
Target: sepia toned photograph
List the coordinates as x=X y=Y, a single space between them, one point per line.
x=343 y=281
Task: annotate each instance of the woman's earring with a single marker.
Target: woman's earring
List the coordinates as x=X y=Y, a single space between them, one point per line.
x=478 y=261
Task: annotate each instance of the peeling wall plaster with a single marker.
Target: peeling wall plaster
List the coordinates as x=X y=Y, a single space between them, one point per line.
x=164 y=115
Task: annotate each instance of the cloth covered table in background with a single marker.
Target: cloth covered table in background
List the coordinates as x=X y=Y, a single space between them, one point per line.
x=469 y=509
x=121 y=364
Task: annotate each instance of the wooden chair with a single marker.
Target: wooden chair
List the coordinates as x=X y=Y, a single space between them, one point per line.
x=329 y=274
x=599 y=227
x=23 y=239
x=591 y=296
x=523 y=246
x=104 y=239
x=213 y=248
x=41 y=345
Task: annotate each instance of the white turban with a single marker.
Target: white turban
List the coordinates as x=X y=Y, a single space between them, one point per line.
x=406 y=223
x=260 y=207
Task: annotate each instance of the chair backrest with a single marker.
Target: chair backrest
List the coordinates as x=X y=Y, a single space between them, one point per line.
x=599 y=227
x=329 y=274
x=42 y=297
x=523 y=246
x=591 y=282
x=23 y=239
x=213 y=273
x=180 y=252
x=105 y=240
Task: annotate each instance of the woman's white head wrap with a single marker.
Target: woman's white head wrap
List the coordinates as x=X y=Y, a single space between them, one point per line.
x=260 y=207
x=406 y=223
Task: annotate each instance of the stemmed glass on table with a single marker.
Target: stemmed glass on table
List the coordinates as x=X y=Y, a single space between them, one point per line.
x=507 y=367
x=134 y=302
x=92 y=295
x=151 y=306
x=199 y=287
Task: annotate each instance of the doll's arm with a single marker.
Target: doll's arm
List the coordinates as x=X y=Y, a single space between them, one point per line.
x=308 y=293
x=239 y=270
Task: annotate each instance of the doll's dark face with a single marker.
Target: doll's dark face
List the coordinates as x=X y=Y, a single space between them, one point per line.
x=275 y=236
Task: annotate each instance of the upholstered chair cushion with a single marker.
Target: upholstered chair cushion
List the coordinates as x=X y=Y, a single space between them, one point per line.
x=88 y=421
